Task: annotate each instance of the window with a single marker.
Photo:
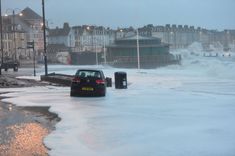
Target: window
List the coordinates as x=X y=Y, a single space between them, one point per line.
x=86 y=73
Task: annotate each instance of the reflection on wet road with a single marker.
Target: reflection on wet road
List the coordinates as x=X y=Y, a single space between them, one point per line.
x=27 y=140
x=22 y=130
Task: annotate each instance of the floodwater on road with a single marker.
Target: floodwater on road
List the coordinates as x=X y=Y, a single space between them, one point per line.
x=23 y=129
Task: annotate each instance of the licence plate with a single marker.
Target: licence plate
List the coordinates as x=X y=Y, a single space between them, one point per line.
x=87 y=89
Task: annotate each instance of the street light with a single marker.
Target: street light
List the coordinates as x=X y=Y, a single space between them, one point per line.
x=1 y=35
x=14 y=28
x=94 y=33
x=88 y=29
x=121 y=36
x=105 y=61
x=173 y=38
x=234 y=44
x=200 y=36
x=96 y=54
x=44 y=38
x=138 y=47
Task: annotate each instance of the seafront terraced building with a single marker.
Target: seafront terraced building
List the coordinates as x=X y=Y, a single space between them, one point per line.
x=153 y=53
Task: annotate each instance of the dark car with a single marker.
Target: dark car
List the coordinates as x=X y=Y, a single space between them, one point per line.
x=9 y=64
x=88 y=83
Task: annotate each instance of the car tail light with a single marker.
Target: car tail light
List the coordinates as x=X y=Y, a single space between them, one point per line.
x=76 y=79
x=100 y=81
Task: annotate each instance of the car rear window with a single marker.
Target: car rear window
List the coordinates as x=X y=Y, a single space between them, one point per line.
x=85 y=74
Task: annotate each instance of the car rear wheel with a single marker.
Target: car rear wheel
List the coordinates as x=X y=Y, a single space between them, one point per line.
x=72 y=94
x=15 y=69
x=103 y=94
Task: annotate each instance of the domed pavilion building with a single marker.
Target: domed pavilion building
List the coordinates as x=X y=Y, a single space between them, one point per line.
x=152 y=53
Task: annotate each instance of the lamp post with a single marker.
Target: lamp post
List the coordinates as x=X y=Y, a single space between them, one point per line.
x=34 y=61
x=44 y=37
x=121 y=33
x=105 y=61
x=1 y=35
x=14 y=33
x=200 y=36
x=228 y=37
x=138 y=48
x=14 y=29
x=96 y=54
x=94 y=33
x=88 y=28
x=87 y=39
x=234 y=45
x=173 y=39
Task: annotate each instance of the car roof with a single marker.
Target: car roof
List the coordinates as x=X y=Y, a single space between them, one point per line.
x=94 y=70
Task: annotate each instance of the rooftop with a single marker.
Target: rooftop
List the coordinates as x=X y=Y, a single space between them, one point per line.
x=60 y=31
x=29 y=14
x=134 y=37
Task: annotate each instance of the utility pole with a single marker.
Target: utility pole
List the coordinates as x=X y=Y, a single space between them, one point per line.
x=138 y=48
x=105 y=61
x=34 y=61
x=14 y=33
x=96 y=54
x=44 y=37
x=1 y=36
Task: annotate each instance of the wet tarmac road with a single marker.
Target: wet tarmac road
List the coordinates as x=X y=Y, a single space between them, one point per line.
x=22 y=129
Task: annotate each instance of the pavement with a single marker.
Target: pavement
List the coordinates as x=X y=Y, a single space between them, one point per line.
x=8 y=79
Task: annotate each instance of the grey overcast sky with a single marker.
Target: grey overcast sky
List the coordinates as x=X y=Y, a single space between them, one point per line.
x=210 y=14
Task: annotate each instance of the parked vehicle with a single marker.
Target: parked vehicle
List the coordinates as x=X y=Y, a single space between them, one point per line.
x=87 y=82
x=9 y=64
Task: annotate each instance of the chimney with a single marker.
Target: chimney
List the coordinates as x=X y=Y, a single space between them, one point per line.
x=66 y=25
